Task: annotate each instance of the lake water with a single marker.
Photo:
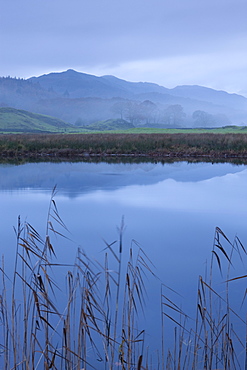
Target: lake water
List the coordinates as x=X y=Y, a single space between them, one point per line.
x=171 y=210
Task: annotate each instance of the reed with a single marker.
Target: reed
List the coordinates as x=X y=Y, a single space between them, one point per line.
x=93 y=325
x=216 y=337
x=91 y=320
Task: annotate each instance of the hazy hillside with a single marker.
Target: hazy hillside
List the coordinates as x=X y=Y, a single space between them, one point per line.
x=83 y=99
x=22 y=93
x=77 y=85
x=134 y=88
x=110 y=124
x=72 y=84
x=15 y=120
x=212 y=96
x=20 y=121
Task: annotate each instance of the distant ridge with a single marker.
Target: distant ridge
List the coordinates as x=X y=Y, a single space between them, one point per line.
x=77 y=85
x=74 y=97
x=83 y=84
x=210 y=95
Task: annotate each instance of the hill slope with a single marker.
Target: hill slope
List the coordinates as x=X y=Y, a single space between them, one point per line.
x=16 y=120
x=110 y=124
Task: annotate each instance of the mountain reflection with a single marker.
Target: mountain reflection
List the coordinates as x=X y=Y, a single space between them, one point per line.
x=73 y=179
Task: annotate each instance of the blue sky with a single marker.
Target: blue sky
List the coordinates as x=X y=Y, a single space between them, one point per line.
x=169 y=42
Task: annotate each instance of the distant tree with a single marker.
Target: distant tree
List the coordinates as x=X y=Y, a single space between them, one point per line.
x=174 y=115
x=133 y=112
x=148 y=111
x=120 y=108
x=79 y=122
x=203 y=119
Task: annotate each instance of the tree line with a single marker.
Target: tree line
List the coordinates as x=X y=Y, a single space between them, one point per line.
x=149 y=114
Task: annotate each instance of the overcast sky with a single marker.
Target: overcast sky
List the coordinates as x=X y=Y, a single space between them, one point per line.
x=169 y=42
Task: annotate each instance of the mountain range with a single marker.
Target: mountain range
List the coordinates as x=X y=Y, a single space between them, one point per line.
x=82 y=99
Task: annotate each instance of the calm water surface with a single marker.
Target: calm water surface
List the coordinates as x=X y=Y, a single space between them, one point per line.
x=170 y=209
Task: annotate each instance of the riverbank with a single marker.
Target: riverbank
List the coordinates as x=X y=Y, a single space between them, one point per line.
x=203 y=145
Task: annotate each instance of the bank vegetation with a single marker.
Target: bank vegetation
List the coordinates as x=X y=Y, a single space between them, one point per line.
x=106 y=144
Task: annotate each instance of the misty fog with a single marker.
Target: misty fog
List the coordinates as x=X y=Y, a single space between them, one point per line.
x=82 y=99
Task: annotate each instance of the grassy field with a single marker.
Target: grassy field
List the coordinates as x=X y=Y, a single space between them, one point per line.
x=219 y=130
x=20 y=121
x=153 y=145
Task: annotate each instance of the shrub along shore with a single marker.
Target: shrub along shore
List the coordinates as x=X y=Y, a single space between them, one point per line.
x=180 y=145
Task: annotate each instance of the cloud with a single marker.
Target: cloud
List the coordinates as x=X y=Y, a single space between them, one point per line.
x=182 y=70
x=111 y=35
x=206 y=196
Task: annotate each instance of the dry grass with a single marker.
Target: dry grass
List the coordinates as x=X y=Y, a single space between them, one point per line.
x=152 y=145
x=95 y=326
x=216 y=337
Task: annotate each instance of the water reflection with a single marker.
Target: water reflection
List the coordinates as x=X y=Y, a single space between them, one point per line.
x=171 y=210
x=172 y=207
x=77 y=178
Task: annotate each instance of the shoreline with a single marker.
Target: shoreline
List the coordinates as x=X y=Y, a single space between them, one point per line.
x=58 y=156
x=147 y=146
